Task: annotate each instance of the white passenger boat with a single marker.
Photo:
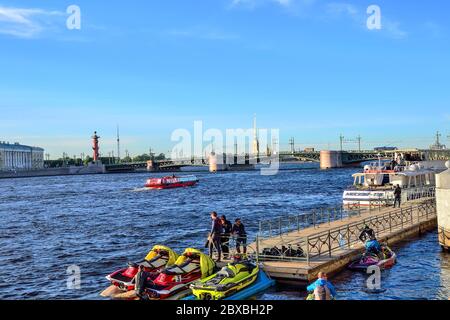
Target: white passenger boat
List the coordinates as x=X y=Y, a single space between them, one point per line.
x=375 y=185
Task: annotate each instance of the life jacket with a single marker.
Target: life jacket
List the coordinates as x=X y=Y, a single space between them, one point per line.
x=322 y=292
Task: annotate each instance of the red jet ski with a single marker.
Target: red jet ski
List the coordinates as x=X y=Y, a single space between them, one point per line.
x=157 y=259
x=171 y=182
x=386 y=261
x=173 y=280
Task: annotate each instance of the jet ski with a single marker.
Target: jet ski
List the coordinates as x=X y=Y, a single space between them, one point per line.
x=191 y=266
x=232 y=278
x=157 y=259
x=312 y=296
x=386 y=260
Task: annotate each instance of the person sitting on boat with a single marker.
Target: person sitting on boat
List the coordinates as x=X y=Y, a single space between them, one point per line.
x=367 y=234
x=370 y=241
x=322 y=288
x=141 y=282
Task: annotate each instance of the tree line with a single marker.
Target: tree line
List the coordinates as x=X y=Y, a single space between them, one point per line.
x=78 y=161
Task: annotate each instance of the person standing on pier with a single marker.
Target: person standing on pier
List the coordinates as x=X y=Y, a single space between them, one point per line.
x=398 y=196
x=241 y=236
x=214 y=236
x=225 y=239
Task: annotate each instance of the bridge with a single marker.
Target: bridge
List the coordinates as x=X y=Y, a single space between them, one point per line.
x=157 y=165
x=328 y=159
x=354 y=157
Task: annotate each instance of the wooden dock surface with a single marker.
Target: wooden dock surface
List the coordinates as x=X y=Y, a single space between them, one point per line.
x=341 y=255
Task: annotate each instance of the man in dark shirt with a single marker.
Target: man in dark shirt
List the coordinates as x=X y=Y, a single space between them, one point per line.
x=141 y=282
x=241 y=236
x=370 y=241
x=398 y=196
x=367 y=234
x=225 y=238
x=214 y=236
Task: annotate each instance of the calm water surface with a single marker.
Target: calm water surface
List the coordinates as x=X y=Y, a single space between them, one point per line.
x=99 y=222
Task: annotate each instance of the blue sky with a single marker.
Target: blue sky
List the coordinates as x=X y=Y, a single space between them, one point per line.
x=308 y=67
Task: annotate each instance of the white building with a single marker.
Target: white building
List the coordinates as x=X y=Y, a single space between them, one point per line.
x=19 y=157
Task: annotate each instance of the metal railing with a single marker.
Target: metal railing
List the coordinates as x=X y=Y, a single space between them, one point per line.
x=296 y=222
x=418 y=193
x=327 y=242
x=289 y=223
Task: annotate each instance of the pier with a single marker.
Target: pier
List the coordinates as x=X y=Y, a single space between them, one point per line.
x=329 y=239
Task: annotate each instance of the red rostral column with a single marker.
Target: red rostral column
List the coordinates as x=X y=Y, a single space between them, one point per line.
x=95 y=147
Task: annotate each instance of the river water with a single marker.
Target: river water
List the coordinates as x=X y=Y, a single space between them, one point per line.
x=99 y=222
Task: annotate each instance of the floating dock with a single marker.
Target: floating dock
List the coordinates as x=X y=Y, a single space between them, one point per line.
x=331 y=246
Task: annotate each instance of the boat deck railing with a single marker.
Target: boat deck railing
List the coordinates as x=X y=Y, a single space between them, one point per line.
x=418 y=193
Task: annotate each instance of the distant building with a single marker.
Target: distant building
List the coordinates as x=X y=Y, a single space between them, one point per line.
x=19 y=157
x=437 y=144
x=309 y=149
x=255 y=146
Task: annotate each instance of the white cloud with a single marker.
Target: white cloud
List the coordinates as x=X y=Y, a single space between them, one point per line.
x=342 y=9
x=283 y=2
x=202 y=33
x=25 y=22
x=433 y=29
x=393 y=29
x=255 y=3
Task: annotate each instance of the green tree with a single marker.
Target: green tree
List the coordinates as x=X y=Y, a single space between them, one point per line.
x=141 y=158
x=161 y=156
x=87 y=160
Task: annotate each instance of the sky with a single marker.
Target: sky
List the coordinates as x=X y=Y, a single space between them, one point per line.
x=310 y=68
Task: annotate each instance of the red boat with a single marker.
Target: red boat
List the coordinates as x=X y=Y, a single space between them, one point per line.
x=155 y=261
x=191 y=266
x=171 y=182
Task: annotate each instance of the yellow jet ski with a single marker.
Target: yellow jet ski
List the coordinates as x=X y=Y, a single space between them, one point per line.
x=232 y=278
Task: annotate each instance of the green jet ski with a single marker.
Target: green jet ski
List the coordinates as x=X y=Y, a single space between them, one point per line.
x=232 y=278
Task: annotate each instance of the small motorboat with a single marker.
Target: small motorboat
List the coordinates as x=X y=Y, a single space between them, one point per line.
x=261 y=283
x=232 y=278
x=367 y=260
x=157 y=259
x=171 y=182
x=191 y=266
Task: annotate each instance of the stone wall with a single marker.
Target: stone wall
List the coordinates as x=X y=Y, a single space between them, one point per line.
x=443 y=206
